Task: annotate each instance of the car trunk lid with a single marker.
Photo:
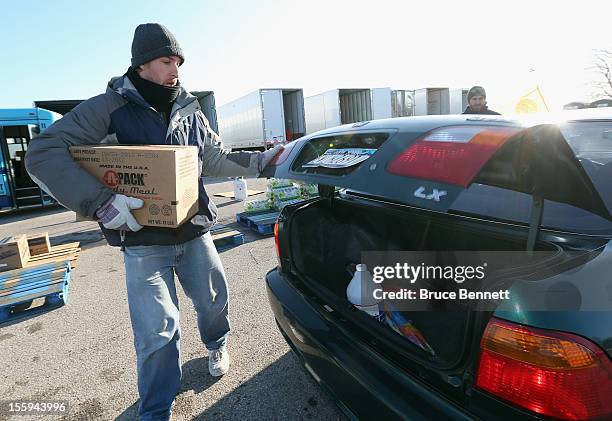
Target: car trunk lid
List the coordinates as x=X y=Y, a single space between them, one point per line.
x=431 y=169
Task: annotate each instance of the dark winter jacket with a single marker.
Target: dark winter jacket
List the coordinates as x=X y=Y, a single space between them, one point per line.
x=122 y=116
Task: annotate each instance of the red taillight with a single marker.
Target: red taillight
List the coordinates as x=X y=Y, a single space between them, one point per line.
x=551 y=373
x=283 y=155
x=278 y=253
x=452 y=155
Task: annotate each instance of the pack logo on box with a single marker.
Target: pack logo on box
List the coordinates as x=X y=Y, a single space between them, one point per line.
x=165 y=177
x=127 y=183
x=110 y=178
x=113 y=179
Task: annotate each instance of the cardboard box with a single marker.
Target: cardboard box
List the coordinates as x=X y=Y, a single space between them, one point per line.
x=164 y=176
x=14 y=252
x=39 y=243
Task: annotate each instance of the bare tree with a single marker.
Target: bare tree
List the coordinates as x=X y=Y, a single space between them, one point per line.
x=602 y=66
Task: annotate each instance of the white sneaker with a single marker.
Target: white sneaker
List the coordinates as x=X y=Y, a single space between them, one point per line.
x=218 y=361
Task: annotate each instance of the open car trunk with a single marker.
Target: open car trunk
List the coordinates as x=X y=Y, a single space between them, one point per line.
x=327 y=238
x=403 y=185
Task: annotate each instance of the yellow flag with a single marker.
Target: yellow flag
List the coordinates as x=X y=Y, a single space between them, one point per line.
x=531 y=102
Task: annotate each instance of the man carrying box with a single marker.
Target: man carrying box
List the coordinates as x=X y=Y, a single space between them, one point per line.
x=148 y=106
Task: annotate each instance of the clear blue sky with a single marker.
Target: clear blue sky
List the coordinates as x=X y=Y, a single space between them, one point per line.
x=70 y=49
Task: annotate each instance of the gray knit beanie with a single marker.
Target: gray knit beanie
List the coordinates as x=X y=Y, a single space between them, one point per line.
x=476 y=91
x=153 y=40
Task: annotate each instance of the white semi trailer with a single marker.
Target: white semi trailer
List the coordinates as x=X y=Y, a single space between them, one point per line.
x=262 y=119
x=344 y=106
x=458 y=100
x=432 y=101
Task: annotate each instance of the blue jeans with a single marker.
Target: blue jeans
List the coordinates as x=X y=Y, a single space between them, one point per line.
x=154 y=311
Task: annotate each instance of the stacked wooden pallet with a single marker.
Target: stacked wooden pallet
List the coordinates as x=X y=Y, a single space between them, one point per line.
x=23 y=285
x=61 y=253
x=43 y=271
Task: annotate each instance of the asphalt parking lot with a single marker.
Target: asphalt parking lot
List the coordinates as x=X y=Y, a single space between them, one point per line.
x=82 y=353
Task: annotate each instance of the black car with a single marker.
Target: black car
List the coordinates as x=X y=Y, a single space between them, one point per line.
x=462 y=184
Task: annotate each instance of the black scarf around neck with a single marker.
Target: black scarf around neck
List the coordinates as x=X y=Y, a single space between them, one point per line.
x=160 y=97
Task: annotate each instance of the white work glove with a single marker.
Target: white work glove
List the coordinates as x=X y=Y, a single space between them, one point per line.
x=267 y=156
x=115 y=213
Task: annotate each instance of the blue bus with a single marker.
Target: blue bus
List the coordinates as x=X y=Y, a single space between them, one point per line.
x=17 y=127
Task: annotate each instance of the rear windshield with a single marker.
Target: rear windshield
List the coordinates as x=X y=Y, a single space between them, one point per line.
x=315 y=148
x=592 y=145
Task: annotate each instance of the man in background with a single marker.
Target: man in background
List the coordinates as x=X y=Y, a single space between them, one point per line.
x=477 y=102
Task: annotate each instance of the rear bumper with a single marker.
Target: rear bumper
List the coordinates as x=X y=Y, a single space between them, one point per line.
x=364 y=384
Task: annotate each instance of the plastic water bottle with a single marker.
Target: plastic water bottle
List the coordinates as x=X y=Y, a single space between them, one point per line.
x=240 y=189
x=360 y=292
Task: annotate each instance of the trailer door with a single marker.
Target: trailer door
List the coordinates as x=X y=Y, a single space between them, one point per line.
x=273 y=116
x=381 y=103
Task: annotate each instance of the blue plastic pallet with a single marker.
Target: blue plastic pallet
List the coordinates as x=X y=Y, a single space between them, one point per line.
x=50 y=281
x=242 y=218
x=225 y=237
x=262 y=223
